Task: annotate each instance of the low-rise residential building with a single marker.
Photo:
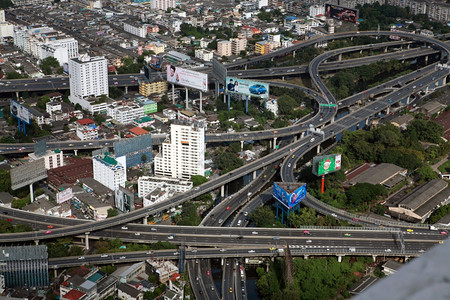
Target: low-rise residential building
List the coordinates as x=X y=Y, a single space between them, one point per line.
x=272 y=105
x=135 y=28
x=126 y=114
x=143 y=122
x=87 y=132
x=127 y=292
x=52 y=158
x=224 y=48
x=164 y=269
x=391 y=266
x=238 y=45
x=155 y=196
x=169 y=113
x=131 y=272
x=204 y=55
x=148 y=88
x=146 y=184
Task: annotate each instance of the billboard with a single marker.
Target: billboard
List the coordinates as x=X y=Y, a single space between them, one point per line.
x=28 y=173
x=326 y=164
x=64 y=195
x=155 y=62
x=21 y=112
x=247 y=87
x=124 y=200
x=219 y=71
x=187 y=78
x=341 y=13
x=289 y=200
x=40 y=147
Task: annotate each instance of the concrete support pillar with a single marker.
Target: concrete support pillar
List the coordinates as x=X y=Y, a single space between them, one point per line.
x=201 y=100
x=318 y=149
x=426 y=90
x=444 y=80
x=222 y=261
x=385 y=49
x=274 y=143
x=173 y=94
x=222 y=191
x=360 y=52
x=242 y=145
x=426 y=59
x=367 y=122
x=295 y=138
x=293 y=54
x=270 y=144
x=388 y=110
x=374 y=257
x=187 y=99
x=36 y=242
x=126 y=89
x=86 y=241
x=75 y=152
x=31 y=193
x=55 y=273
x=144 y=220
x=245 y=67
x=267 y=268
x=159 y=148
x=254 y=174
x=407 y=46
x=282 y=78
x=340 y=57
x=339 y=258
x=17 y=95
x=303 y=134
x=271 y=59
x=408 y=99
x=406 y=258
x=305 y=257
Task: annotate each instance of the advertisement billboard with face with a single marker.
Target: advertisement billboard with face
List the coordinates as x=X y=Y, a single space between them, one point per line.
x=289 y=200
x=247 y=87
x=323 y=165
x=187 y=78
x=20 y=111
x=341 y=13
x=64 y=195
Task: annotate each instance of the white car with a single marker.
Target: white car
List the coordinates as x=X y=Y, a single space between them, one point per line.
x=104 y=255
x=388 y=250
x=176 y=253
x=137 y=233
x=154 y=229
x=309 y=241
x=222 y=250
x=194 y=250
x=170 y=237
x=251 y=251
x=122 y=257
x=124 y=227
x=334 y=215
x=255 y=232
x=81 y=257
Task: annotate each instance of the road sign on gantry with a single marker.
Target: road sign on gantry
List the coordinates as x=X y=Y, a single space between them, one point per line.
x=28 y=173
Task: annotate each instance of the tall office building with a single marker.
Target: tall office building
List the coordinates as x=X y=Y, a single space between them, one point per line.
x=109 y=170
x=183 y=153
x=88 y=79
x=24 y=266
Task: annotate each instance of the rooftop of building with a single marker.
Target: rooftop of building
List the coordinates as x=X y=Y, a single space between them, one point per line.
x=129 y=290
x=13 y=253
x=85 y=121
x=378 y=174
x=423 y=193
x=96 y=186
x=138 y=131
x=5 y=198
x=392 y=264
x=74 y=295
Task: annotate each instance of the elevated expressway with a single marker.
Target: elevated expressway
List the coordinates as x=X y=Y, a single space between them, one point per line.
x=301 y=146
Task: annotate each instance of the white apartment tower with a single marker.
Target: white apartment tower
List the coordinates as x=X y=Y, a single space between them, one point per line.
x=88 y=78
x=109 y=171
x=162 y=4
x=183 y=153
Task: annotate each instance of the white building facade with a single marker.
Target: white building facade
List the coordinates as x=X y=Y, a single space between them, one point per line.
x=52 y=158
x=126 y=114
x=88 y=78
x=162 y=4
x=146 y=184
x=109 y=171
x=183 y=154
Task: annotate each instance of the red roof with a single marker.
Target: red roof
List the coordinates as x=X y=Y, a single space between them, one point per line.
x=444 y=121
x=358 y=170
x=85 y=121
x=138 y=131
x=175 y=277
x=73 y=295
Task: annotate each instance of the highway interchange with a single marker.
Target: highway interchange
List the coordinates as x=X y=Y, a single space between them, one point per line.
x=363 y=240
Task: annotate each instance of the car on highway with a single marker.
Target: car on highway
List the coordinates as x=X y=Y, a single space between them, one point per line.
x=409 y=230
x=293 y=156
x=9 y=220
x=228 y=207
x=208 y=272
x=122 y=257
x=149 y=252
x=443 y=232
x=231 y=289
x=306 y=232
x=50 y=226
x=355 y=220
x=124 y=227
x=441 y=242
x=245 y=213
x=334 y=215
x=257 y=89
x=388 y=250
x=48 y=232
x=81 y=257
x=220 y=221
x=104 y=255
x=309 y=241
x=276 y=238
x=170 y=237
x=116 y=83
x=194 y=250
x=347 y=234
x=137 y=233
x=154 y=229
x=222 y=250
x=254 y=232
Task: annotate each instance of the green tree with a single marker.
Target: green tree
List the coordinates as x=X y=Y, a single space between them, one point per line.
x=99 y=119
x=263 y=217
x=198 y=180
x=286 y=104
x=189 y=215
x=42 y=102
x=5 y=181
x=112 y=212
x=227 y=162
x=426 y=173
x=306 y=217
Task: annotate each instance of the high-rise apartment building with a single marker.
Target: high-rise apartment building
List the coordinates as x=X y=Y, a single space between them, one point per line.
x=110 y=171
x=183 y=153
x=162 y=4
x=238 y=45
x=224 y=48
x=88 y=79
x=24 y=266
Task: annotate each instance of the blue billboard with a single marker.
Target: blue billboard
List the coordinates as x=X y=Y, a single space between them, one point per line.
x=289 y=200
